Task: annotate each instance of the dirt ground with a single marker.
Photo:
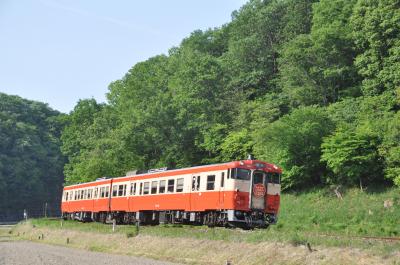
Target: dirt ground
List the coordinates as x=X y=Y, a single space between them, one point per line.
x=21 y=253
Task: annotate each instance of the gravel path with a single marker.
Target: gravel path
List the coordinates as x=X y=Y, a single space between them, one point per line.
x=24 y=253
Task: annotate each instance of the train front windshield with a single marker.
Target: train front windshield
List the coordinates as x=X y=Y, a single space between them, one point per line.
x=274 y=178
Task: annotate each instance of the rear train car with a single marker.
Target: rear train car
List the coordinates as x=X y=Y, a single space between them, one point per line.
x=240 y=193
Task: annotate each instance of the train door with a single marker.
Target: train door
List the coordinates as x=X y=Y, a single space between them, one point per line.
x=258 y=190
x=221 y=196
x=195 y=194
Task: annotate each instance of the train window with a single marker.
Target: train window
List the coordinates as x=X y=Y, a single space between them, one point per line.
x=141 y=189
x=146 y=188
x=171 y=184
x=89 y=193
x=273 y=178
x=107 y=190
x=71 y=195
x=66 y=196
x=228 y=173
x=134 y=188
x=240 y=173
x=121 y=190
x=258 y=177
x=131 y=189
x=210 y=182
x=195 y=183
x=162 y=186
x=74 y=195
x=96 y=193
x=82 y=191
x=222 y=179
x=179 y=185
x=114 y=190
x=102 y=192
x=154 y=187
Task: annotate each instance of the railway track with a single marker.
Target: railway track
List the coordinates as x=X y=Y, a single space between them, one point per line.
x=372 y=238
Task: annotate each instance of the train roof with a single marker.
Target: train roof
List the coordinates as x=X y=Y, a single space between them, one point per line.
x=252 y=164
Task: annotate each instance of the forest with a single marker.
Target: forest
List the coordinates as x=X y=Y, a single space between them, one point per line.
x=31 y=163
x=312 y=86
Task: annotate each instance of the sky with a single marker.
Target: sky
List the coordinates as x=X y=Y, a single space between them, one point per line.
x=60 y=51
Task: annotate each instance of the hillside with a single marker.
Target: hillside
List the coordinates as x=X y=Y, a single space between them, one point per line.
x=312 y=86
x=31 y=162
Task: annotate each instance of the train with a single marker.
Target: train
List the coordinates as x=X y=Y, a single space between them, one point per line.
x=243 y=193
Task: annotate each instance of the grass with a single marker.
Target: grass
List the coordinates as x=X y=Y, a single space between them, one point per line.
x=358 y=214
x=304 y=219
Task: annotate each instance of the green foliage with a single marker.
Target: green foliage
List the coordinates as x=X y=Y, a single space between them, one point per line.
x=390 y=149
x=30 y=158
x=377 y=34
x=317 y=68
x=352 y=156
x=293 y=142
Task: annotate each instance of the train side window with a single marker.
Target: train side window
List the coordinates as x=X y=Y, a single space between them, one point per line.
x=179 y=184
x=96 y=192
x=171 y=184
x=196 y=183
x=66 y=196
x=107 y=191
x=228 y=173
x=131 y=189
x=71 y=195
x=154 y=187
x=102 y=192
x=210 y=182
x=222 y=179
x=121 y=190
x=82 y=192
x=240 y=173
x=141 y=188
x=134 y=188
x=162 y=186
x=89 y=194
x=146 y=188
x=114 y=191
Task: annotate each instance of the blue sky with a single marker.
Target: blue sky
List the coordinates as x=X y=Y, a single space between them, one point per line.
x=59 y=51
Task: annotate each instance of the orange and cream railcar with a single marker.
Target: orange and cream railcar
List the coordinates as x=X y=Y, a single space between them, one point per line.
x=243 y=193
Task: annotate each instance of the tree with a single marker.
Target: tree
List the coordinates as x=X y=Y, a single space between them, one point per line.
x=30 y=158
x=352 y=156
x=317 y=68
x=377 y=34
x=293 y=142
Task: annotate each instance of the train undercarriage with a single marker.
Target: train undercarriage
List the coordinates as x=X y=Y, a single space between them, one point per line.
x=225 y=218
